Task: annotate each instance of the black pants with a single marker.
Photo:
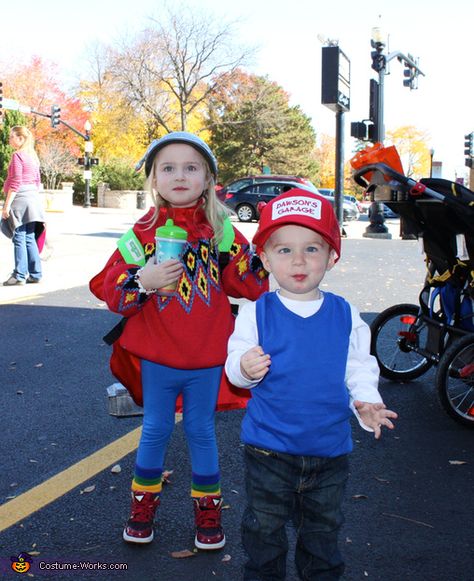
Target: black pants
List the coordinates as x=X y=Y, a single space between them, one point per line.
x=305 y=489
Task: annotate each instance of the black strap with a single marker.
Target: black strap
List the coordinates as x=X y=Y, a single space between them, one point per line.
x=115 y=333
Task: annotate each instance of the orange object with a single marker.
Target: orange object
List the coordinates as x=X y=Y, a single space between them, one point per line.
x=377 y=153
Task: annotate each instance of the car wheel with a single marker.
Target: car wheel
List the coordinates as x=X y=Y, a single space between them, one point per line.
x=245 y=213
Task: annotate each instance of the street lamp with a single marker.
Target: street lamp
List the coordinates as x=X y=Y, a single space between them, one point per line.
x=377 y=228
x=87 y=164
x=431 y=161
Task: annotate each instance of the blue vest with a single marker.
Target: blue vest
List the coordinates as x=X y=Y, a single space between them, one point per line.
x=301 y=406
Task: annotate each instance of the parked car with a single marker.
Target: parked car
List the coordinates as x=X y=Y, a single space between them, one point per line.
x=240 y=183
x=347 y=197
x=387 y=212
x=245 y=202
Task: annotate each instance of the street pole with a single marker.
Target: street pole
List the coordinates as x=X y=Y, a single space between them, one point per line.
x=377 y=227
x=431 y=162
x=335 y=94
x=87 y=164
x=339 y=189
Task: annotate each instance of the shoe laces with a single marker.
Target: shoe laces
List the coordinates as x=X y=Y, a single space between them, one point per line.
x=208 y=518
x=143 y=511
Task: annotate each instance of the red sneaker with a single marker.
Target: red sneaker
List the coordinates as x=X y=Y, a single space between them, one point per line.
x=139 y=527
x=207 y=517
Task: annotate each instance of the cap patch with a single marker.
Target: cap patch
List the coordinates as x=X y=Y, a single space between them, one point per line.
x=297 y=206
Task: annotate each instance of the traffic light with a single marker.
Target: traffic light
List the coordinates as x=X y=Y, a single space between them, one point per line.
x=55 y=115
x=410 y=73
x=378 y=60
x=359 y=130
x=469 y=145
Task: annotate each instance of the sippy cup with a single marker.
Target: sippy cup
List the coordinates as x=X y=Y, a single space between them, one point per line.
x=170 y=241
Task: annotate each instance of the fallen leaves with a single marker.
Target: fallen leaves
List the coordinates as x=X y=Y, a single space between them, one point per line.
x=359 y=497
x=166 y=476
x=457 y=462
x=88 y=489
x=184 y=554
x=116 y=469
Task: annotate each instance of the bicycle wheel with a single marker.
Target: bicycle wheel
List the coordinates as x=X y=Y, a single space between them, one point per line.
x=396 y=333
x=455 y=380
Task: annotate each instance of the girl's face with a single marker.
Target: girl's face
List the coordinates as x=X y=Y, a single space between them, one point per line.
x=16 y=141
x=298 y=258
x=180 y=175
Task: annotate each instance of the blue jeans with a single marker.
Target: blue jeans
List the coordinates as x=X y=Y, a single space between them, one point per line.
x=305 y=489
x=27 y=258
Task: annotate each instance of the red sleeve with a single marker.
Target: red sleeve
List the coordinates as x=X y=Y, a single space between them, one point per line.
x=115 y=284
x=244 y=276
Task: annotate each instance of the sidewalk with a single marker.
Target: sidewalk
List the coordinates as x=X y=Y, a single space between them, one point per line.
x=80 y=240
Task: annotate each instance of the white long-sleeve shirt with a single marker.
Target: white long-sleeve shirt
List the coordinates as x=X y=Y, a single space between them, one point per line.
x=362 y=372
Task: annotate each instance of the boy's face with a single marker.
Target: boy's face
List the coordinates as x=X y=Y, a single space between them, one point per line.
x=180 y=174
x=298 y=258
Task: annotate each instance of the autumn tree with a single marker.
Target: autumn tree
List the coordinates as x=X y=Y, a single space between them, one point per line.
x=412 y=146
x=168 y=72
x=253 y=125
x=36 y=85
x=119 y=131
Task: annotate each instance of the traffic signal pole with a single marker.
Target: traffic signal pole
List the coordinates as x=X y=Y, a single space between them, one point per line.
x=55 y=117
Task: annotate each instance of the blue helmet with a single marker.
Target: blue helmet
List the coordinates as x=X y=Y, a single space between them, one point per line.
x=177 y=137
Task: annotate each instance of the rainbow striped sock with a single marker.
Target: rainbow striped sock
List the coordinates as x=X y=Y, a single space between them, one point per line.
x=205 y=485
x=147 y=479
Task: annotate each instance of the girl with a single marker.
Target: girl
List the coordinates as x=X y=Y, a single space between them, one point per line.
x=22 y=215
x=176 y=345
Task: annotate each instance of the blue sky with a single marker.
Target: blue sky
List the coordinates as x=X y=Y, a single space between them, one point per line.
x=289 y=52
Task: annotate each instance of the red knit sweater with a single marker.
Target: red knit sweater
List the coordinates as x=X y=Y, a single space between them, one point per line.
x=190 y=329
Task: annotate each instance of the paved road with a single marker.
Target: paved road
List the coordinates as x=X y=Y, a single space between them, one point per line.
x=408 y=502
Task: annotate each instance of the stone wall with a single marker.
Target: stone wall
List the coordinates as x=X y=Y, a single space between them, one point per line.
x=123 y=199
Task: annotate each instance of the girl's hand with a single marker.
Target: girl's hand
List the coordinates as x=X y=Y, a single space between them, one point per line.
x=154 y=276
x=254 y=363
x=375 y=415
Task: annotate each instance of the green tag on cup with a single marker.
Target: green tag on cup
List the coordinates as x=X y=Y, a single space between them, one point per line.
x=131 y=249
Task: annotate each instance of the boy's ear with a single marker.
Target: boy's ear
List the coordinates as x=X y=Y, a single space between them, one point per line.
x=332 y=259
x=265 y=261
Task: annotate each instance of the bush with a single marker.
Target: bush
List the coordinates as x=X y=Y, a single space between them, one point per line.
x=117 y=174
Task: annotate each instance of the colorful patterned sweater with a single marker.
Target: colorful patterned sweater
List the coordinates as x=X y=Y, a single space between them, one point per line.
x=190 y=329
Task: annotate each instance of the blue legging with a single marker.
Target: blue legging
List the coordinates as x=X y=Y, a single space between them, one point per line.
x=161 y=387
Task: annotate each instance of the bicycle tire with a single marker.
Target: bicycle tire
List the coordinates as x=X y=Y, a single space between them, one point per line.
x=396 y=362
x=455 y=380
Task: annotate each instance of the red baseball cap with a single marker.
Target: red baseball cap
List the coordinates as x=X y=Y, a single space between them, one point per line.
x=302 y=208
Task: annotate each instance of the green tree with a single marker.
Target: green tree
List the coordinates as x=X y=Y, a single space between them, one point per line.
x=11 y=118
x=253 y=126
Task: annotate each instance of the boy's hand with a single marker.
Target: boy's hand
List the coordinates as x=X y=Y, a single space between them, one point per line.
x=254 y=363
x=375 y=415
x=155 y=276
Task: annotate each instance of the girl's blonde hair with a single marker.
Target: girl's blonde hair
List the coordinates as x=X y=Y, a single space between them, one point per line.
x=29 y=141
x=214 y=210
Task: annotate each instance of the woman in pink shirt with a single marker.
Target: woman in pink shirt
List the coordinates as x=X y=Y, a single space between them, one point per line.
x=22 y=214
